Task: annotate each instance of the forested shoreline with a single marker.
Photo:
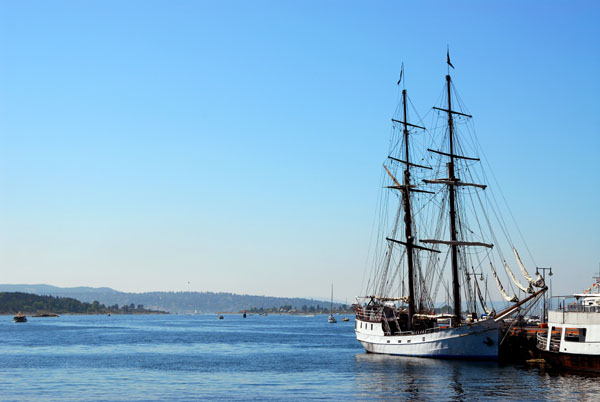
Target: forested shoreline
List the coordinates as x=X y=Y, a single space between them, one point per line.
x=12 y=302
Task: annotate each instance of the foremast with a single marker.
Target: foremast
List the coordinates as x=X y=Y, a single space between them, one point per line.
x=405 y=188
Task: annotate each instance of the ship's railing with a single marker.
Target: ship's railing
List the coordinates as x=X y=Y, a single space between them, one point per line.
x=575 y=304
x=542 y=340
x=369 y=314
x=554 y=345
x=423 y=331
x=577 y=307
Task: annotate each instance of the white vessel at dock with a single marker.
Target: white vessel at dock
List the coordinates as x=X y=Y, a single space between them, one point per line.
x=573 y=337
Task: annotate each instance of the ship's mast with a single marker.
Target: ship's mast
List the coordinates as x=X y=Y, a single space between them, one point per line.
x=452 y=182
x=408 y=219
x=452 y=201
x=406 y=188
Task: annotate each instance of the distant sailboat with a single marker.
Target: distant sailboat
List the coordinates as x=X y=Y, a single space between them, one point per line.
x=331 y=319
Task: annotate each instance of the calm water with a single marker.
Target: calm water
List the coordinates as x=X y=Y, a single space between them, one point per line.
x=180 y=357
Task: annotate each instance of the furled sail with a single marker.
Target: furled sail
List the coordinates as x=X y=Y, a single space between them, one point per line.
x=539 y=282
x=512 y=299
x=516 y=281
x=481 y=299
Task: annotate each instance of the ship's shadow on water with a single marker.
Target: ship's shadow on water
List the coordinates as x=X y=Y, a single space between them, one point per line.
x=412 y=378
x=385 y=377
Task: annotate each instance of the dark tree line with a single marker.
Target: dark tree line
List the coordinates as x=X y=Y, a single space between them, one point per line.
x=12 y=302
x=337 y=309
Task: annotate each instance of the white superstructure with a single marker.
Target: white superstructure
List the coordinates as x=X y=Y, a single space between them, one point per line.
x=573 y=337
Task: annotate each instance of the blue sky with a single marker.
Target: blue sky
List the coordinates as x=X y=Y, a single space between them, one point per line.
x=237 y=145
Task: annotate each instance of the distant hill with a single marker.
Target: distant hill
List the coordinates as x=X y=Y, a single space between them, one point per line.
x=175 y=302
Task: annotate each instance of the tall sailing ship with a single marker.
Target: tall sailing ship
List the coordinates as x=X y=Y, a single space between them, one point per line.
x=435 y=216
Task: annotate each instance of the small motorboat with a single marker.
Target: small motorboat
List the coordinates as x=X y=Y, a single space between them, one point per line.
x=345 y=319
x=20 y=317
x=220 y=317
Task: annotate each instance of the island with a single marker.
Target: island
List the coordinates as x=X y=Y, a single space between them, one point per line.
x=51 y=306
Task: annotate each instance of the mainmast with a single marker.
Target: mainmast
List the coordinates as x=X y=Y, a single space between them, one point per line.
x=453 y=234
x=452 y=182
x=408 y=220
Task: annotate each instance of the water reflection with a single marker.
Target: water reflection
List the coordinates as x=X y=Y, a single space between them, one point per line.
x=418 y=379
x=409 y=378
x=459 y=392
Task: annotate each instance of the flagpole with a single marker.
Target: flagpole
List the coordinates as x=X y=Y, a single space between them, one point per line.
x=403 y=80
x=401 y=77
x=448 y=59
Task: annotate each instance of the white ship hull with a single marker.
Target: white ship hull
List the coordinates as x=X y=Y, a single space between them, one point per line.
x=476 y=341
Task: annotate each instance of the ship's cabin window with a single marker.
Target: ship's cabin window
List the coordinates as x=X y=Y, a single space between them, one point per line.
x=556 y=333
x=371 y=326
x=575 y=334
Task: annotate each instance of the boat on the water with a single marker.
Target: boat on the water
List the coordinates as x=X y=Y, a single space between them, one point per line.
x=20 y=317
x=345 y=319
x=436 y=232
x=572 y=340
x=331 y=319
